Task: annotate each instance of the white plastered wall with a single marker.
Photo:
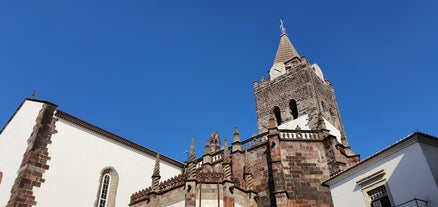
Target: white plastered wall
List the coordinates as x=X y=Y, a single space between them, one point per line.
x=302 y=122
x=77 y=158
x=13 y=144
x=407 y=176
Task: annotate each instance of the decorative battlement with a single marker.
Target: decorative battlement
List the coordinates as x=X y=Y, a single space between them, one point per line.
x=164 y=186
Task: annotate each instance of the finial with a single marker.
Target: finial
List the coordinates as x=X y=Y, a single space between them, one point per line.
x=191 y=171
x=33 y=93
x=236 y=135
x=192 y=155
x=283 y=30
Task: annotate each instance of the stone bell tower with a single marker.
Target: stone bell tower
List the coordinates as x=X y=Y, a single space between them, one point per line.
x=297 y=94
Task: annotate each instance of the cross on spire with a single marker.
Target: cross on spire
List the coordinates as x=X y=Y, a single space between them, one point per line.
x=282 y=28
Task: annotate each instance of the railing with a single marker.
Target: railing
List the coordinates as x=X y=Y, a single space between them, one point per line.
x=263 y=137
x=416 y=202
x=300 y=134
x=255 y=140
x=214 y=157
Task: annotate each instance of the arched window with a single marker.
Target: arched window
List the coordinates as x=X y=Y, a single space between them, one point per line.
x=104 y=190
x=293 y=108
x=108 y=183
x=277 y=114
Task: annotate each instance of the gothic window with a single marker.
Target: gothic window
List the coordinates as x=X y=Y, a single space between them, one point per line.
x=108 y=183
x=323 y=105
x=293 y=108
x=277 y=114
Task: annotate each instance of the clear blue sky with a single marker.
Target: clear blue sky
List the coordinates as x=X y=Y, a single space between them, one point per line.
x=159 y=72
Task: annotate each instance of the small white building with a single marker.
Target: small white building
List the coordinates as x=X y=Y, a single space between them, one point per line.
x=51 y=158
x=403 y=175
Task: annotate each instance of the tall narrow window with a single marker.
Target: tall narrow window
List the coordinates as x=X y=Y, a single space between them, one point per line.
x=277 y=114
x=108 y=182
x=293 y=108
x=104 y=190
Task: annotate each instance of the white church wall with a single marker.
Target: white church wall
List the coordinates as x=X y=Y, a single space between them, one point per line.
x=13 y=144
x=302 y=122
x=407 y=177
x=333 y=130
x=78 y=158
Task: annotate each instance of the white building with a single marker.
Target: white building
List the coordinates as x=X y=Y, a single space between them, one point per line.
x=405 y=174
x=51 y=158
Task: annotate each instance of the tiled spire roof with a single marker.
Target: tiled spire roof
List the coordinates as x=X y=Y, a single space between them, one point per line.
x=286 y=50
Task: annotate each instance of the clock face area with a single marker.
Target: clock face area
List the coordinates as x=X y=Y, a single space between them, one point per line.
x=277 y=69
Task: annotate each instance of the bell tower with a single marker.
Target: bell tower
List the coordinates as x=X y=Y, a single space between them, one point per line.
x=297 y=94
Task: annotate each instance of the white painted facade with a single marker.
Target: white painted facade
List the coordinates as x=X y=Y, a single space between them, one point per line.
x=302 y=122
x=13 y=144
x=407 y=169
x=78 y=157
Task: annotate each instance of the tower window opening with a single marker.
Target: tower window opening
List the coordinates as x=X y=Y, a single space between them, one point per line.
x=293 y=108
x=277 y=114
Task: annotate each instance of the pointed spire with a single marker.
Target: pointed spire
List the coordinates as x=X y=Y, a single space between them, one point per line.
x=192 y=156
x=286 y=51
x=226 y=162
x=156 y=175
x=191 y=171
x=247 y=172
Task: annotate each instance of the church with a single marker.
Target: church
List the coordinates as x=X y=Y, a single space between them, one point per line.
x=57 y=159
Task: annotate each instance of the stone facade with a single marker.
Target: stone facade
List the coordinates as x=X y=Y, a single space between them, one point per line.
x=312 y=96
x=284 y=165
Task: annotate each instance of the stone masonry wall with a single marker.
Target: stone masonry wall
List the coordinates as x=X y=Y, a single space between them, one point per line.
x=301 y=84
x=279 y=92
x=35 y=158
x=305 y=168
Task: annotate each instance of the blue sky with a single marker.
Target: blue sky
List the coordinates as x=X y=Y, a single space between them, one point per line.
x=160 y=72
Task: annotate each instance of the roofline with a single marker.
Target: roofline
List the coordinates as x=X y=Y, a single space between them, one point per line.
x=412 y=138
x=19 y=107
x=74 y=120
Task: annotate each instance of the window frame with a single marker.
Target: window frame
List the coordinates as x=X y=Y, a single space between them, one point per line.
x=372 y=182
x=111 y=191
